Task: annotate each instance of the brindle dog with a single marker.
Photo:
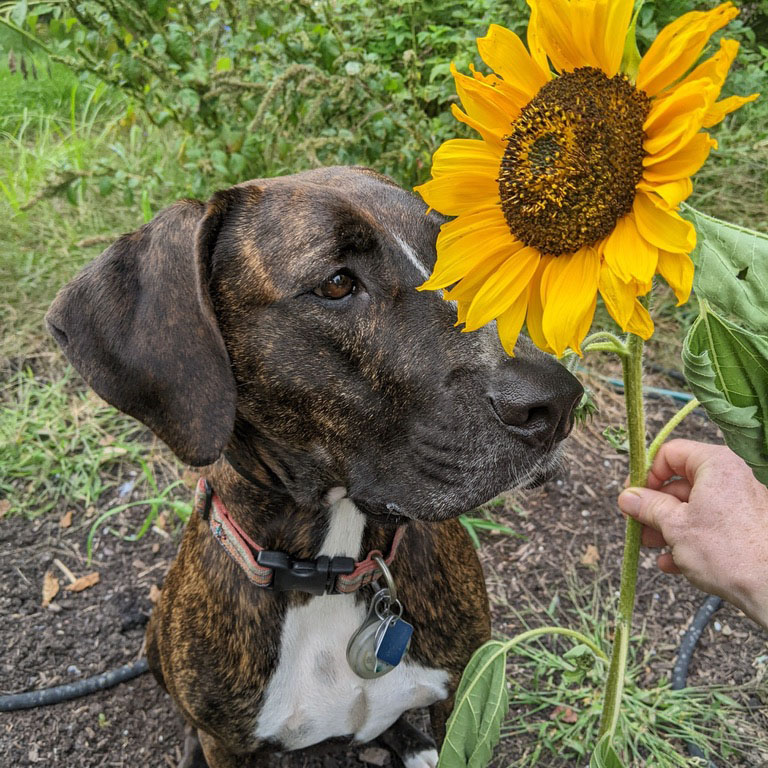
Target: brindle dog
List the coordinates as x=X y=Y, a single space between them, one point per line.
x=275 y=336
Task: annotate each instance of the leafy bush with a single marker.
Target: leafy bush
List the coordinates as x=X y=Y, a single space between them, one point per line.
x=275 y=87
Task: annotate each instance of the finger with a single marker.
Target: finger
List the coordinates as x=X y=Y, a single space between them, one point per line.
x=652 y=538
x=682 y=458
x=680 y=489
x=650 y=507
x=666 y=563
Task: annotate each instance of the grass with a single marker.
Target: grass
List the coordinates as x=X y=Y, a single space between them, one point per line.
x=556 y=701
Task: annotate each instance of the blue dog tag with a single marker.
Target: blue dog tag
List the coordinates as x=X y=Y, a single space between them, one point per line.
x=393 y=641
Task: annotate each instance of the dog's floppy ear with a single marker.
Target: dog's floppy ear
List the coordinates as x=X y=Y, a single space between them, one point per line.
x=139 y=325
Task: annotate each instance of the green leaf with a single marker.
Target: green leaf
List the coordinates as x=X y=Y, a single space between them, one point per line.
x=730 y=270
x=481 y=704
x=727 y=369
x=605 y=755
x=224 y=64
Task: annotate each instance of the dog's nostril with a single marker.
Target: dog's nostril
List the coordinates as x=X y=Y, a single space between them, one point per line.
x=517 y=413
x=536 y=402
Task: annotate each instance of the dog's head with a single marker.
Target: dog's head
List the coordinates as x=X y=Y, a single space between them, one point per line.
x=281 y=323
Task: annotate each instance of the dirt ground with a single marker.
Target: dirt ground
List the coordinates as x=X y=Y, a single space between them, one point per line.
x=85 y=633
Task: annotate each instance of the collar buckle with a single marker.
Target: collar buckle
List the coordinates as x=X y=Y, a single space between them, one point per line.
x=315 y=577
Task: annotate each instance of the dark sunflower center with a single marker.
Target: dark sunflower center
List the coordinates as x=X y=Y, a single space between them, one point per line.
x=574 y=157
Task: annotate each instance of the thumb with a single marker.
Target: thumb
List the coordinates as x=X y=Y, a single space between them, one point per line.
x=648 y=507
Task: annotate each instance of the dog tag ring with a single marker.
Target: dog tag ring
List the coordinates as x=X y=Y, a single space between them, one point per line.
x=361 y=649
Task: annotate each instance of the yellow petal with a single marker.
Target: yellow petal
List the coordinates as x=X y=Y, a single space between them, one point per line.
x=583 y=326
x=678 y=45
x=715 y=68
x=619 y=297
x=535 y=314
x=482 y=219
x=489 y=134
x=486 y=104
x=460 y=193
x=674 y=120
x=619 y=15
x=466 y=289
x=677 y=270
x=554 y=31
x=568 y=293
x=628 y=254
x=722 y=108
x=640 y=323
x=599 y=28
x=535 y=42
x=685 y=162
x=471 y=155
x=672 y=192
x=458 y=257
x=503 y=51
x=661 y=226
x=510 y=322
x=508 y=282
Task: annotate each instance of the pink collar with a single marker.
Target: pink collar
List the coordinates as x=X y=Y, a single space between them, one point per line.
x=277 y=570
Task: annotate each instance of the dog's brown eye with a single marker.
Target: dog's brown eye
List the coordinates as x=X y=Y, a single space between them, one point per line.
x=337 y=286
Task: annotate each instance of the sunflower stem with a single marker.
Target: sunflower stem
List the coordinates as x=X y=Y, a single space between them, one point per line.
x=603 y=336
x=666 y=431
x=632 y=364
x=605 y=346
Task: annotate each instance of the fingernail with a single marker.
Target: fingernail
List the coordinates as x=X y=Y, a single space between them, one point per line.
x=629 y=500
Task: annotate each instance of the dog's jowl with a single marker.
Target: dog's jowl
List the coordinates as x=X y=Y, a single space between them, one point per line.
x=275 y=337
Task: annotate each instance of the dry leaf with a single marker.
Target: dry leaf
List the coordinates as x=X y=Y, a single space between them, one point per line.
x=154 y=594
x=50 y=588
x=568 y=715
x=5 y=505
x=375 y=756
x=591 y=556
x=66 y=519
x=84 y=582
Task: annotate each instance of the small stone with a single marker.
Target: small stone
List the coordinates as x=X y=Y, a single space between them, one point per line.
x=73 y=670
x=718 y=626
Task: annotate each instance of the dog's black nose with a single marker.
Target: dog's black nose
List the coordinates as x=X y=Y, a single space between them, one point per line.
x=536 y=399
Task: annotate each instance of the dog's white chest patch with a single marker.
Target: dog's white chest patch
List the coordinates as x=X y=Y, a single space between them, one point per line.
x=313 y=694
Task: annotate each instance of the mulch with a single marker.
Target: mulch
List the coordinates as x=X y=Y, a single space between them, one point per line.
x=85 y=633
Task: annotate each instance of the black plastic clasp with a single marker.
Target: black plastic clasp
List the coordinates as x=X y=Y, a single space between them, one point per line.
x=316 y=577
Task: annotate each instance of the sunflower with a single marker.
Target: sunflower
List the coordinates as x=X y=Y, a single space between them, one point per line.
x=574 y=187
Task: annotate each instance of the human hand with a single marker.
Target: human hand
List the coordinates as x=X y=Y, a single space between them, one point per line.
x=704 y=503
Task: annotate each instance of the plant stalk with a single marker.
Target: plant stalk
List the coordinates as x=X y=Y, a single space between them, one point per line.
x=632 y=365
x=667 y=430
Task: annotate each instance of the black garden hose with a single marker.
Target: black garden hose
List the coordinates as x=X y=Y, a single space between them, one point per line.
x=69 y=691
x=685 y=652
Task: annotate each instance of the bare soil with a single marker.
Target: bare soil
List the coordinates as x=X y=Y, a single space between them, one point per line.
x=85 y=633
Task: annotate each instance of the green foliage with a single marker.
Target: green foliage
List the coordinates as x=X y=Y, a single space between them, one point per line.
x=727 y=369
x=56 y=444
x=481 y=706
x=726 y=365
x=731 y=269
x=267 y=90
x=605 y=755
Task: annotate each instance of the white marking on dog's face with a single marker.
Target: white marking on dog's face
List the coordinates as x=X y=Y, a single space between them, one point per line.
x=313 y=694
x=427 y=758
x=414 y=259
x=411 y=256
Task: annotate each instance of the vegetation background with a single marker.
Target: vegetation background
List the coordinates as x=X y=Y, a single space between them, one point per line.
x=111 y=110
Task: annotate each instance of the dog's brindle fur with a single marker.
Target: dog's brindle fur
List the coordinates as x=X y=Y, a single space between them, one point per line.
x=205 y=324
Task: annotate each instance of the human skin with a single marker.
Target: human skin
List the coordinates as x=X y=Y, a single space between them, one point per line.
x=704 y=503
